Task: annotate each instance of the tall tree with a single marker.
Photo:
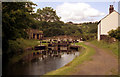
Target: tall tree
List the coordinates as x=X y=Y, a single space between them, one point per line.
x=16 y=17
x=47 y=14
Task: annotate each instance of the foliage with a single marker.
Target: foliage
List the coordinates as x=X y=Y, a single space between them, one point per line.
x=115 y=33
x=53 y=32
x=60 y=28
x=52 y=28
x=89 y=36
x=89 y=30
x=47 y=14
x=16 y=47
x=89 y=27
x=16 y=17
x=71 y=29
x=36 y=24
x=47 y=21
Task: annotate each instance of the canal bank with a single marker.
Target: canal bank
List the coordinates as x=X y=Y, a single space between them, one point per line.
x=86 y=54
x=19 y=47
x=22 y=46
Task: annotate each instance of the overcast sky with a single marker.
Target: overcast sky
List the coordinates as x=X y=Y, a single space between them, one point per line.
x=79 y=12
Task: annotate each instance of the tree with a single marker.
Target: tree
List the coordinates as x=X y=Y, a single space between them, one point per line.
x=70 y=29
x=16 y=17
x=52 y=28
x=53 y=32
x=115 y=33
x=47 y=14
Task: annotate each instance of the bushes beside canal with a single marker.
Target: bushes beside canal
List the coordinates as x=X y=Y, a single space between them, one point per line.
x=17 y=47
x=20 y=44
x=68 y=69
x=108 y=46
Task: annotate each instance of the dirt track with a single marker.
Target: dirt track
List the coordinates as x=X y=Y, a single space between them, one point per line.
x=102 y=63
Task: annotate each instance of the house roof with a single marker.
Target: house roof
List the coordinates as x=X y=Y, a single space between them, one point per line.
x=108 y=15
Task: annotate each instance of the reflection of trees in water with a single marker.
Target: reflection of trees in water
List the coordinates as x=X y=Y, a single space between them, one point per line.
x=38 y=67
x=46 y=55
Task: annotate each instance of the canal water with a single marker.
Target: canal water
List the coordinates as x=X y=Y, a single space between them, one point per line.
x=40 y=67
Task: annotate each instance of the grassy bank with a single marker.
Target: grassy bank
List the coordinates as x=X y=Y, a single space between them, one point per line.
x=108 y=46
x=22 y=44
x=28 y=42
x=70 y=67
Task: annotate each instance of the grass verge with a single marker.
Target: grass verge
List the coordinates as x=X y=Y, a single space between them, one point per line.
x=70 y=67
x=28 y=42
x=108 y=46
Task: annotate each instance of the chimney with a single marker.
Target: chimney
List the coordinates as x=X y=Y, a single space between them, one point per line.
x=111 y=9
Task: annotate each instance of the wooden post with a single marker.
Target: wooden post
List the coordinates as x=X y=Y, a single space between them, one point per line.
x=35 y=36
x=32 y=35
x=39 y=37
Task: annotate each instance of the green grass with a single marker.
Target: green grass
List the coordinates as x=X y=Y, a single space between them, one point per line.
x=108 y=46
x=70 y=67
x=28 y=42
x=44 y=43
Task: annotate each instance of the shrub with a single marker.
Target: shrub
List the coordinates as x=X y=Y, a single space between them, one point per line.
x=115 y=33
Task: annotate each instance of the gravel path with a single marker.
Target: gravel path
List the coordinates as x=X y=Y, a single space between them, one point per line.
x=102 y=63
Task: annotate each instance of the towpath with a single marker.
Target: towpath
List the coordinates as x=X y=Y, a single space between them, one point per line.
x=101 y=63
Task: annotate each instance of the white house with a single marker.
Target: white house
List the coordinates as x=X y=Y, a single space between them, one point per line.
x=109 y=22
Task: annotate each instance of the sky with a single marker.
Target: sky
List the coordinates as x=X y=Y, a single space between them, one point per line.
x=79 y=12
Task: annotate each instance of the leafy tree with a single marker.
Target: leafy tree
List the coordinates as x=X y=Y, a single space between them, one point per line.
x=89 y=27
x=89 y=30
x=47 y=14
x=52 y=28
x=16 y=17
x=53 y=32
x=35 y=24
x=71 y=29
x=93 y=31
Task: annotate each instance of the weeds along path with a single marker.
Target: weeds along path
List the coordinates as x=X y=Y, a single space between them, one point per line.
x=101 y=63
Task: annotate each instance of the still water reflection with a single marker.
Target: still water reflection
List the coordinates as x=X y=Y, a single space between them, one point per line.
x=40 y=67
